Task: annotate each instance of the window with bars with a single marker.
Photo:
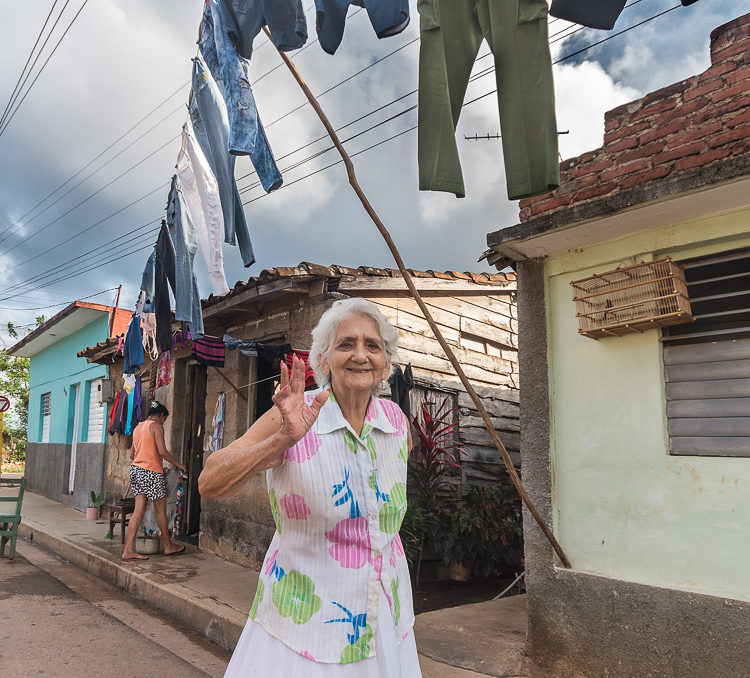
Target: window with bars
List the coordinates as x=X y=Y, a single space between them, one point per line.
x=46 y=412
x=707 y=363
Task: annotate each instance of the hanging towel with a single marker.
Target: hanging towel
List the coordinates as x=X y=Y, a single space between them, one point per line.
x=164 y=369
x=309 y=374
x=209 y=351
x=600 y=14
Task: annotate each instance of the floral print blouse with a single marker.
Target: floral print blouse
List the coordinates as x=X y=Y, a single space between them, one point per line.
x=338 y=500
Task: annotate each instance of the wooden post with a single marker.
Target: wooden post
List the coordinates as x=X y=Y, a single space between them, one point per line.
x=428 y=316
x=114 y=313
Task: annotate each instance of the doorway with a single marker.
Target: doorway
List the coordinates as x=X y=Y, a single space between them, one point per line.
x=192 y=447
x=75 y=396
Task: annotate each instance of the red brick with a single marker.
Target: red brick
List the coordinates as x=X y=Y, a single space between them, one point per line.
x=590 y=169
x=716 y=70
x=644 y=177
x=727 y=92
x=611 y=124
x=595 y=191
x=693 y=134
x=740 y=149
x=717 y=111
x=705 y=88
x=627 y=168
x=551 y=205
x=738 y=76
x=641 y=152
x=738 y=119
x=701 y=160
x=625 y=131
x=680 y=152
x=730 y=51
x=653 y=109
x=622 y=145
x=741 y=132
x=669 y=90
x=524 y=214
x=682 y=111
x=619 y=112
x=588 y=180
x=661 y=132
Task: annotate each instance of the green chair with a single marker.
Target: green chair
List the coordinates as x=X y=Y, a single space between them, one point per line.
x=9 y=522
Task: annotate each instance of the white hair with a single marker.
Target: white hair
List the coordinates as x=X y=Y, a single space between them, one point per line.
x=325 y=330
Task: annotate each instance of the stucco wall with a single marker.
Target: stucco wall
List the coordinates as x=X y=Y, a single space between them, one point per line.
x=47 y=469
x=658 y=544
x=55 y=370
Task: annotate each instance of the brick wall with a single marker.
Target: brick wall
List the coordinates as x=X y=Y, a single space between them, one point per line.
x=692 y=123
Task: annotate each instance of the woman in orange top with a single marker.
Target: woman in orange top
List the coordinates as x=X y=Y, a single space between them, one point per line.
x=147 y=479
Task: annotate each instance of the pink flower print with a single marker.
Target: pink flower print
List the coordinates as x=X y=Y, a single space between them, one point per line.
x=305 y=448
x=372 y=411
x=307 y=655
x=395 y=416
x=350 y=541
x=271 y=562
x=377 y=564
x=397 y=549
x=295 y=506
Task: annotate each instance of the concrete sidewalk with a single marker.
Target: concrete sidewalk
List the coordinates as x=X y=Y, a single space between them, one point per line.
x=213 y=597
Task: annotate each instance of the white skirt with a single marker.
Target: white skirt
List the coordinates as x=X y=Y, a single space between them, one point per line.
x=260 y=654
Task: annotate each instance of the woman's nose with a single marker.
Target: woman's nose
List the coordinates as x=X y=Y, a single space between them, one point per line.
x=359 y=352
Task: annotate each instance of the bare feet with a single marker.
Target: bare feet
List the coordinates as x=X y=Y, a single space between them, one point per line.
x=132 y=555
x=174 y=550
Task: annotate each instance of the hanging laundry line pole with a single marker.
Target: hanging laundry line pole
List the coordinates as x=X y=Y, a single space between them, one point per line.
x=428 y=316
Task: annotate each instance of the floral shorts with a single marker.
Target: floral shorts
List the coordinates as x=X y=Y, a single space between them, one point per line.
x=150 y=483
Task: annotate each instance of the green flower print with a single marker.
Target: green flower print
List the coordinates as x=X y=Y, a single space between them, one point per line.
x=358 y=650
x=275 y=511
x=373 y=484
x=370 y=444
x=392 y=513
x=294 y=596
x=351 y=441
x=396 y=601
x=257 y=600
x=403 y=453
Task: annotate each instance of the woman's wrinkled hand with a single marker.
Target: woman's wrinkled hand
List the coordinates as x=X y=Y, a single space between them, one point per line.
x=297 y=417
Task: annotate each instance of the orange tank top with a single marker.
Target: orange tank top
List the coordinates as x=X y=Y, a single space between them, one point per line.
x=146 y=455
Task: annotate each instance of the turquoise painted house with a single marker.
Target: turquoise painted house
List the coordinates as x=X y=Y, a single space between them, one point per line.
x=68 y=402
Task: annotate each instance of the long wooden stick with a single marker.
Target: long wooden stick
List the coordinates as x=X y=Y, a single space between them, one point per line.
x=428 y=316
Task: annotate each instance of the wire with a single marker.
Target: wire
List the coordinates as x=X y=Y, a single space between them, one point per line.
x=91 y=162
x=54 y=49
x=64 y=303
x=31 y=54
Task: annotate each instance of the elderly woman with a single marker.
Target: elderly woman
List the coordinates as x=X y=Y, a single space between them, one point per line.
x=334 y=595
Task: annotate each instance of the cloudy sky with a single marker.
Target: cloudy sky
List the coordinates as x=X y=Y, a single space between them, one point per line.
x=125 y=66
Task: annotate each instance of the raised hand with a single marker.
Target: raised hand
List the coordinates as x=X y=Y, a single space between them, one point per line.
x=297 y=417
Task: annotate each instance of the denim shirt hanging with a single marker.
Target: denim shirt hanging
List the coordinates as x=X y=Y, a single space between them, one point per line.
x=181 y=228
x=246 y=133
x=284 y=18
x=211 y=126
x=133 y=348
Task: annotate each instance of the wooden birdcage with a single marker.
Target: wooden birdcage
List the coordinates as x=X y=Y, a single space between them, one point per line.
x=632 y=299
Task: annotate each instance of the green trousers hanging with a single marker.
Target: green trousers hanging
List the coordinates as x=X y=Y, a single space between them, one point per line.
x=451 y=33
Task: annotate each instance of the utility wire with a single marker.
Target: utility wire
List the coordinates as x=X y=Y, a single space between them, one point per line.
x=33 y=82
x=25 y=66
x=63 y=303
x=466 y=104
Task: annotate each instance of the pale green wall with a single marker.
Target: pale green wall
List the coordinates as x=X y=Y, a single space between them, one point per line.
x=623 y=507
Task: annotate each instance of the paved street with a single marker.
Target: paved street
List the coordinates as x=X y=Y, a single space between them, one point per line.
x=57 y=621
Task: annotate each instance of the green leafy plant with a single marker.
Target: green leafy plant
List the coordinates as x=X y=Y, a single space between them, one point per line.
x=97 y=500
x=480 y=527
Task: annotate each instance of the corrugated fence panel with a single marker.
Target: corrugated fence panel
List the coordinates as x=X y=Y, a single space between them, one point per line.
x=708 y=398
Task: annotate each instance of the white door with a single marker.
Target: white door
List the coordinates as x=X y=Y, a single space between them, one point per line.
x=95 y=432
x=75 y=440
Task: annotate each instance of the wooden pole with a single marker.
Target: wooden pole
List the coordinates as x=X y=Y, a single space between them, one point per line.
x=226 y=378
x=428 y=316
x=114 y=313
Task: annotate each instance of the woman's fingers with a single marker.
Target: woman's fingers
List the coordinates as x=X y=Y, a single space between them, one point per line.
x=284 y=375
x=319 y=401
x=298 y=375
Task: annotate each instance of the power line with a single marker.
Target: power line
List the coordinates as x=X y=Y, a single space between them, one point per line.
x=414 y=127
x=54 y=49
x=25 y=66
x=43 y=308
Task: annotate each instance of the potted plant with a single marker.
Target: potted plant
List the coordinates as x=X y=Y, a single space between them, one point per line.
x=92 y=511
x=479 y=532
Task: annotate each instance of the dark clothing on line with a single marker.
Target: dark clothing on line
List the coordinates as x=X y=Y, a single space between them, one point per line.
x=451 y=32
x=244 y=19
x=600 y=14
x=133 y=348
x=209 y=351
x=401 y=382
x=163 y=279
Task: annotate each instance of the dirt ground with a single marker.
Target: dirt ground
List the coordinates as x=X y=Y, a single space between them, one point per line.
x=436 y=595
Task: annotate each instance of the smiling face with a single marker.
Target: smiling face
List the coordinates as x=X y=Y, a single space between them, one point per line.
x=356 y=361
